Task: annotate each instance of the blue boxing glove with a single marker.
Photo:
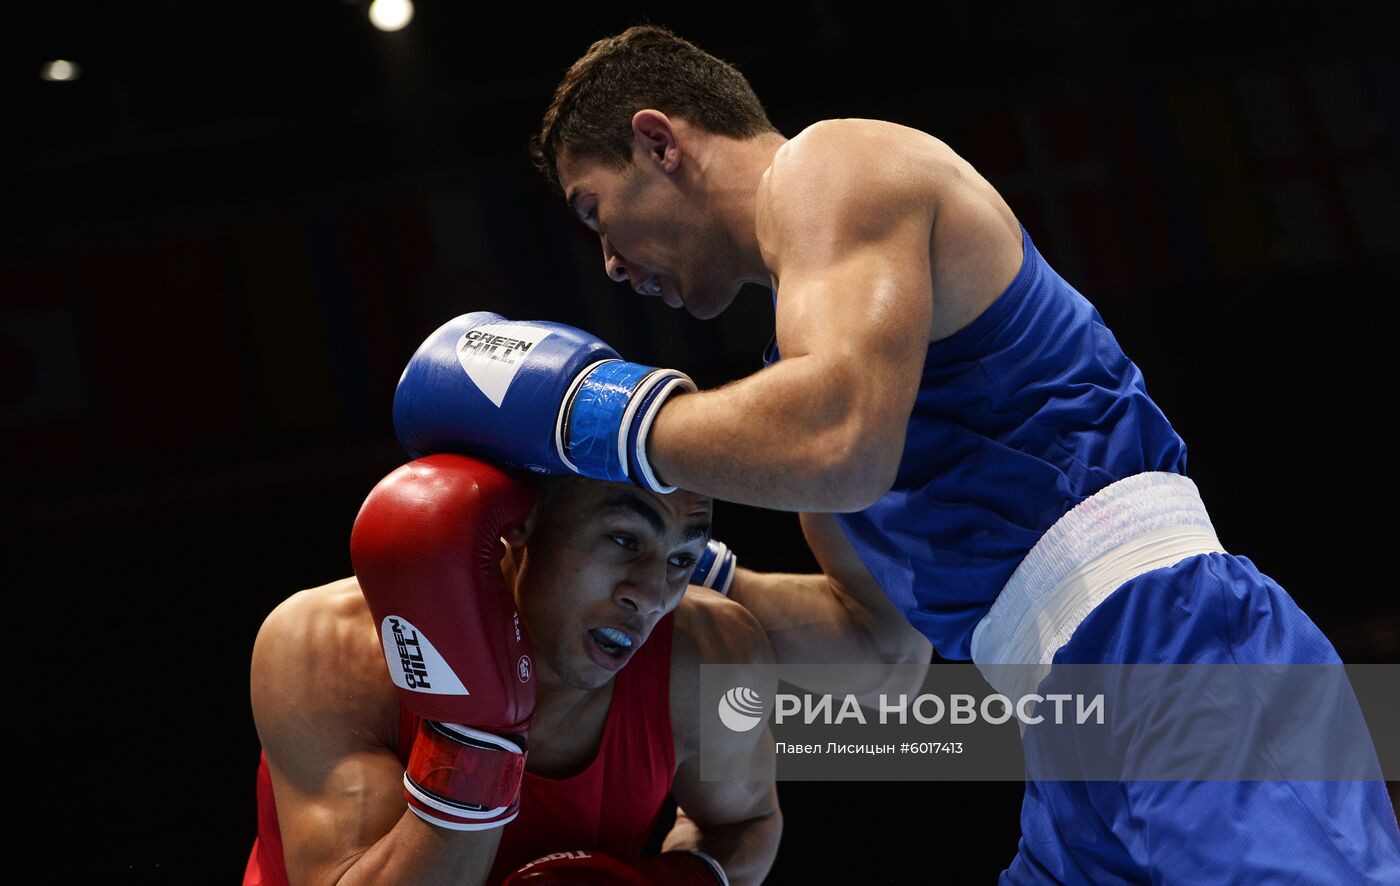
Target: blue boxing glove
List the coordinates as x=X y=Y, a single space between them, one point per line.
x=715 y=568
x=532 y=394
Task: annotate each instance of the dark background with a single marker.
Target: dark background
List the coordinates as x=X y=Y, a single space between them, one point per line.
x=223 y=241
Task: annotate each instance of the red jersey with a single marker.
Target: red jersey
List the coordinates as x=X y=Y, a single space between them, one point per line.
x=612 y=805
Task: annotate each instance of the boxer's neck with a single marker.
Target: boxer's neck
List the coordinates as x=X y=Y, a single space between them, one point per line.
x=556 y=702
x=728 y=172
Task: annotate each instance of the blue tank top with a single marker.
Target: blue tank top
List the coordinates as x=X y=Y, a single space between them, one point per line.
x=1021 y=415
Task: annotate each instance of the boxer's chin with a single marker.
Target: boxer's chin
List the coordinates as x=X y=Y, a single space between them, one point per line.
x=583 y=674
x=708 y=309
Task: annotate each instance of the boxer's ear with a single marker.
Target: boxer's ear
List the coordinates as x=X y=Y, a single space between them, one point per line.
x=656 y=136
x=517 y=535
x=546 y=488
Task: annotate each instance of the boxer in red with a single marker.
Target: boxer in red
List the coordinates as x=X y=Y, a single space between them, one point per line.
x=568 y=737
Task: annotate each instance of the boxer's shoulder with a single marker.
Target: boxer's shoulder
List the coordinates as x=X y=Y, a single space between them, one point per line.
x=320 y=627
x=840 y=186
x=844 y=155
x=710 y=629
x=317 y=660
x=856 y=177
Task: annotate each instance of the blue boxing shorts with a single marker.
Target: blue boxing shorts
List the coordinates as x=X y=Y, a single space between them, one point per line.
x=1133 y=575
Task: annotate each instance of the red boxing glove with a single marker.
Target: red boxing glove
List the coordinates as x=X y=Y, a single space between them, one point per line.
x=594 y=868
x=427 y=552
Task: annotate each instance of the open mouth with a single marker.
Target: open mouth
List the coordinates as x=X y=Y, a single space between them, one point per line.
x=612 y=641
x=652 y=286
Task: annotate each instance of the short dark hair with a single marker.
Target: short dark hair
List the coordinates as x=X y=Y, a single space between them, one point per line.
x=646 y=66
x=548 y=487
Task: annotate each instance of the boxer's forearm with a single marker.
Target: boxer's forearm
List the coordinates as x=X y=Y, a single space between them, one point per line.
x=802 y=435
x=815 y=620
x=418 y=853
x=744 y=849
x=806 y=617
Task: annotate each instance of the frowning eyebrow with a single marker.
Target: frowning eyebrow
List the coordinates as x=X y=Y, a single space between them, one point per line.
x=632 y=504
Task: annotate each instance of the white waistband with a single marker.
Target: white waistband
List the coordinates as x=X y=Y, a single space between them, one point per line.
x=1138 y=524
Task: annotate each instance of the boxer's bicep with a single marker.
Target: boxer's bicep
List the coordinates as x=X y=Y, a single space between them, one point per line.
x=868 y=299
x=336 y=787
x=721 y=632
x=717 y=803
x=330 y=816
x=846 y=237
x=834 y=553
x=343 y=817
x=824 y=428
x=855 y=297
x=747 y=796
x=888 y=633
x=732 y=814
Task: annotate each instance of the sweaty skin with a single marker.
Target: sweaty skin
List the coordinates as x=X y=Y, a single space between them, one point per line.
x=840 y=616
x=878 y=240
x=328 y=715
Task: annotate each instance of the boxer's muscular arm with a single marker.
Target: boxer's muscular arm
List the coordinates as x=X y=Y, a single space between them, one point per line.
x=321 y=700
x=737 y=822
x=841 y=616
x=822 y=429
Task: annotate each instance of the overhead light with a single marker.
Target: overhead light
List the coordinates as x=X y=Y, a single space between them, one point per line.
x=391 y=15
x=60 y=70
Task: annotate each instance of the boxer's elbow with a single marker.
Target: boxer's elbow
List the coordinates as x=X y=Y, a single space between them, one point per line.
x=854 y=435
x=860 y=466
x=894 y=641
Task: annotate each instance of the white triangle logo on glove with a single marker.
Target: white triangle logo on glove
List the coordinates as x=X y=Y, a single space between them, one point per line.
x=413 y=662
x=492 y=355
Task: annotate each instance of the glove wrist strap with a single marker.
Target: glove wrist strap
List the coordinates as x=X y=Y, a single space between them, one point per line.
x=607 y=414
x=462 y=778
x=716 y=567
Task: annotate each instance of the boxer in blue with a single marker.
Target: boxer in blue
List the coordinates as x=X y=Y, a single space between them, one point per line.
x=937 y=397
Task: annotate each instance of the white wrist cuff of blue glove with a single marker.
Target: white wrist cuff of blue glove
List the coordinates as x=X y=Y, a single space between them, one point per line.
x=602 y=431
x=716 y=567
